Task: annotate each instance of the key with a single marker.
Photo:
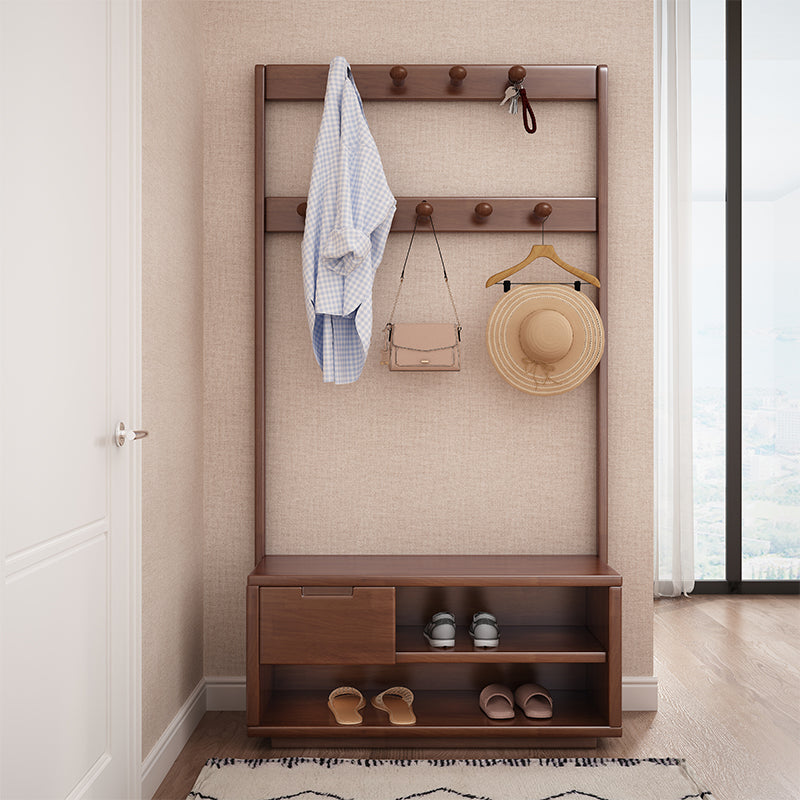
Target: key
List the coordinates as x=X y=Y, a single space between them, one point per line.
x=512 y=107
x=510 y=92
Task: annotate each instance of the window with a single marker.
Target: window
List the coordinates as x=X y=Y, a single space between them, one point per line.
x=746 y=318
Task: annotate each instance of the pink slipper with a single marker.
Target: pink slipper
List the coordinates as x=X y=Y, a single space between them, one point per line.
x=497 y=702
x=534 y=700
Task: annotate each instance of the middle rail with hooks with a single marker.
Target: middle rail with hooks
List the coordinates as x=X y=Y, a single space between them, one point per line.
x=459 y=214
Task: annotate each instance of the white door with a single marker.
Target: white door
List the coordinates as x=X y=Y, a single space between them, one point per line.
x=69 y=351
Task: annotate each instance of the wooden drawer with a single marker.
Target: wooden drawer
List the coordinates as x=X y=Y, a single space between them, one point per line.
x=326 y=625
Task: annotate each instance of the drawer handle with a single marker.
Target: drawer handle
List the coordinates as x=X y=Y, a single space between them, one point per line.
x=326 y=591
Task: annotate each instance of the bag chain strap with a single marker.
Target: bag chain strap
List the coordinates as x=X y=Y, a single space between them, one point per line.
x=444 y=270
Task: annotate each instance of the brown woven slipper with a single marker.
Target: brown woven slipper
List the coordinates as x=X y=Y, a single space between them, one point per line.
x=345 y=703
x=396 y=702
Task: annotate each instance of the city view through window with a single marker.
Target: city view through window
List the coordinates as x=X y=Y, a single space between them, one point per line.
x=770 y=307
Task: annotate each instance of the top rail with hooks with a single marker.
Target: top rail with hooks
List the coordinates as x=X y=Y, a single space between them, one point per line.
x=434 y=81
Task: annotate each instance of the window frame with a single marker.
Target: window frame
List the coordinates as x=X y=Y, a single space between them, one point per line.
x=733 y=583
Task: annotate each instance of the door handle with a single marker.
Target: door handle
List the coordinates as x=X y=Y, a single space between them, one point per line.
x=123 y=434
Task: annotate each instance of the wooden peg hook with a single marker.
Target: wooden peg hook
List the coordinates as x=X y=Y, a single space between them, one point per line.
x=541 y=212
x=398 y=75
x=517 y=73
x=424 y=209
x=457 y=75
x=484 y=210
x=302 y=208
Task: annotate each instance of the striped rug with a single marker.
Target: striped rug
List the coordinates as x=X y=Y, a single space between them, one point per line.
x=487 y=779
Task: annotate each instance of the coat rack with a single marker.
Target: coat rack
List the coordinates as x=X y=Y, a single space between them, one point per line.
x=322 y=595
x=441 y=83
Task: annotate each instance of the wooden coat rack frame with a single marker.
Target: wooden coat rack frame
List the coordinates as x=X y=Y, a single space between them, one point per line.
x=316 y=621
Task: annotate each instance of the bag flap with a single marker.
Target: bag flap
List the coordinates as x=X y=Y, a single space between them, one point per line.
x=424 y=335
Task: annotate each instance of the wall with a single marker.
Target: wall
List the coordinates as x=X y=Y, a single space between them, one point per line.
x=172 y=356
x=449 y=462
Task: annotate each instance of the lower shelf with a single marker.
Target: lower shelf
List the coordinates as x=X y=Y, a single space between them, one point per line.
x=451 y=714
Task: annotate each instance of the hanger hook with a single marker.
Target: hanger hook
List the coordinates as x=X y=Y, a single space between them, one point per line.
x=541 y=213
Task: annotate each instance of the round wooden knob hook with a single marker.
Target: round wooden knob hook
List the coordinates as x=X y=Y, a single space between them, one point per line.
x=457 y=75
x=424 y=209
x=542 y=211
x=398 y=75
x=517 y=73
x=484 y=210
x=302 y=208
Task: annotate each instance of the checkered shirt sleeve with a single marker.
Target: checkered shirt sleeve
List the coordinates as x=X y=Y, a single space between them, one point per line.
x=349 y=213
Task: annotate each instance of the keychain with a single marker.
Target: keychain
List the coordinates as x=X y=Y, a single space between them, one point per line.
x=516 y=95
x=512 y=94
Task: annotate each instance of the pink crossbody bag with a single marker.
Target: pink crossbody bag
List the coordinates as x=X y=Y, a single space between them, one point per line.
x=422 y=346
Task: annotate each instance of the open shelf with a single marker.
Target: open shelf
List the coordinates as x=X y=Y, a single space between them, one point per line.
x=448 y=713
x=518 y=644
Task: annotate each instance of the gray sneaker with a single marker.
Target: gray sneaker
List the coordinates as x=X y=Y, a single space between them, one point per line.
x=441 y=630
x=484 y=630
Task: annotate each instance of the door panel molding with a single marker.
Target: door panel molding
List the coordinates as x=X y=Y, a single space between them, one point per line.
x=58 y=674
x=59 y=545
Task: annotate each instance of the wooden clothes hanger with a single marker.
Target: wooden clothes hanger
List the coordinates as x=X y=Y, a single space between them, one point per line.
x=541 y=213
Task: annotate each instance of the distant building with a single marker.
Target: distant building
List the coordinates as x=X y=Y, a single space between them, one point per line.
x=787 y=430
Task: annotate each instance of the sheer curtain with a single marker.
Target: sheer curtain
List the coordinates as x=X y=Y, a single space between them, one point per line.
x=673 y=529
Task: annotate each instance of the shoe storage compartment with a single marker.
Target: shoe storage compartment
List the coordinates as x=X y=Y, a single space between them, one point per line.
x=559 y=627
x=326 y=625
x=445 y=702
x=536 y=624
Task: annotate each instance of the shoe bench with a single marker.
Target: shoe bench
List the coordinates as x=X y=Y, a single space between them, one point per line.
x=316 y=622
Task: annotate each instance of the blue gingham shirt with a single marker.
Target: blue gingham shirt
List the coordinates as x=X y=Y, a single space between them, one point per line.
x=349 y=212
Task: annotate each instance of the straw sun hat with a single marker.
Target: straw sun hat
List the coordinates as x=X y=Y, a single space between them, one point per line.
x=545 y=339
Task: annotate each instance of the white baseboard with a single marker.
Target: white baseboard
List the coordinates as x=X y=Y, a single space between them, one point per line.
x=640 y=693
x=226 y=694
x=159 y=760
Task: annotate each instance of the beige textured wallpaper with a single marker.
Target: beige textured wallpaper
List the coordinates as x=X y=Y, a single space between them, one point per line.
x=457 y=462
x=172 y=360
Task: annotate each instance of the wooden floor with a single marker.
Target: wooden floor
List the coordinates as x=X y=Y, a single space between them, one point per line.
x=728 y=669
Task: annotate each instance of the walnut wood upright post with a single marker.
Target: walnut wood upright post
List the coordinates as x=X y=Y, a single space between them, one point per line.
x=260 y=290
x=602 y=302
